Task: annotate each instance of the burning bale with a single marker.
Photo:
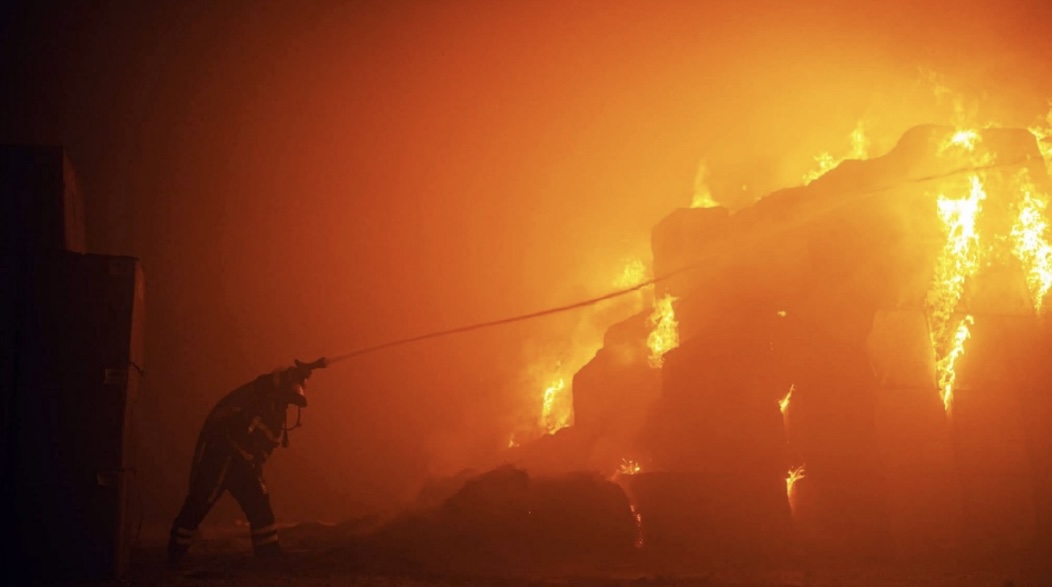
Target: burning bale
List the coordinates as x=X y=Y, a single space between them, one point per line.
x=882 y=325
x=852 y=370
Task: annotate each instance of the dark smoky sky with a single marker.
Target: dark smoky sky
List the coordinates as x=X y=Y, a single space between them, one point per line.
x=306 y=178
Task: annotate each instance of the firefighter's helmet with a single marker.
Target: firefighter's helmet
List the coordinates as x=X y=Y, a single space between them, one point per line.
x=290 y=386
x=297 y=394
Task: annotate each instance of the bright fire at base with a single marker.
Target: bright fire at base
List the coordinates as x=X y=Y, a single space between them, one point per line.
x=665 y=335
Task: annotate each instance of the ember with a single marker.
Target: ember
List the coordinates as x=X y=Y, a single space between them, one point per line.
x=629 y=467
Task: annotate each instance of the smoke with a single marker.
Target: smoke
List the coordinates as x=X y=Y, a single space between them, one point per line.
x=302 y=181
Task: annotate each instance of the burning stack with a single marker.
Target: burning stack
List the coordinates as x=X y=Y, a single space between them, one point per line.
x=901 y=300
x=849 y=370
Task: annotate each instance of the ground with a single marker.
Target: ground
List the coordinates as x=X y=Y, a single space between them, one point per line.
x=223 y=557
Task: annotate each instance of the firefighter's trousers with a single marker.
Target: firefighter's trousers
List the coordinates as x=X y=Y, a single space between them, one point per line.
x=218 y=468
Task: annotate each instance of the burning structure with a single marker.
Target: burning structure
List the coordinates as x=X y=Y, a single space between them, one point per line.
x=884 y=324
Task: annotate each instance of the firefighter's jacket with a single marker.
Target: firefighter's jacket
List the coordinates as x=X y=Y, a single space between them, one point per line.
x=250 y=419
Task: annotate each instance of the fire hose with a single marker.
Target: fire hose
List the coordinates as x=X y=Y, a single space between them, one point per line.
x=698 y=263
x=303 y=370
x=785 y=227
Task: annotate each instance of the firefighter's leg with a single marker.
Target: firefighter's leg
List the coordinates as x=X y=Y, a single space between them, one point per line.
x=248 y=488
x=207 y=478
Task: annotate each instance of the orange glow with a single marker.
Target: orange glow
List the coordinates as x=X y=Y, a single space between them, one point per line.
x=665 y=334
x=419 y=166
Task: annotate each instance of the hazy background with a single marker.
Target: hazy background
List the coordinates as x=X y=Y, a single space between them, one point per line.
x=307 y=178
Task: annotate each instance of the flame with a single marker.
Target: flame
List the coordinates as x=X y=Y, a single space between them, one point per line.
x=638 y=517
x=629 y=467
x=555 y=412
x=859 y=143
x=702 y=195
x=1031 y=246
x=783 y=404
x=633 y=273
x=512 y=443
x=965 y=142
x=826 y=161
x=946 y=366
x=965 y=139
x=665 y=335
x=795 y=475
x=958 y=261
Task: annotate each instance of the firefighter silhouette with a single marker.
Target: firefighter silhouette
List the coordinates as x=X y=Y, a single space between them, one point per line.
x=238 y=436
